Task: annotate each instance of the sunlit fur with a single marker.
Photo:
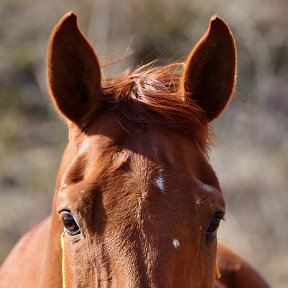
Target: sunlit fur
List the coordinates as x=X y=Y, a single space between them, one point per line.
x=135 y=173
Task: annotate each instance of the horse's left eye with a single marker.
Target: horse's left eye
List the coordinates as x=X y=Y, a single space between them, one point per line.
x=70 y=226
x=211 y=231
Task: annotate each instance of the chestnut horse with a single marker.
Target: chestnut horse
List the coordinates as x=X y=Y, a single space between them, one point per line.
x=136 y=202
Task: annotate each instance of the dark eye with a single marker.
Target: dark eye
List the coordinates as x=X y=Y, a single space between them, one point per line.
x=211 y=231
x=70 y=226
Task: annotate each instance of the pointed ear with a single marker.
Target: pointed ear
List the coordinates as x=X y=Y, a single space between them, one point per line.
x=209 y=75
x=74 y=76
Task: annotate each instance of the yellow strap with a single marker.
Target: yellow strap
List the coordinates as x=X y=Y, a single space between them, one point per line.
x=63 y=260
x=217 y=272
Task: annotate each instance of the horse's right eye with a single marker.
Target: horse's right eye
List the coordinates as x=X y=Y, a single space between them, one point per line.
x=70 y=226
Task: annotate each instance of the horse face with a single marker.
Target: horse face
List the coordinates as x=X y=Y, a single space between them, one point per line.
x=143 y=204
x=139 y=203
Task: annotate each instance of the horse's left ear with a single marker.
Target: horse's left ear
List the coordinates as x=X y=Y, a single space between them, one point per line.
x=74 y=76
x=209 y=75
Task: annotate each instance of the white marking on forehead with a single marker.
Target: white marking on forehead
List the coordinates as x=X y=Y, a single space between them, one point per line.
x=139 y=207
x=160 y=183
x=176 y=243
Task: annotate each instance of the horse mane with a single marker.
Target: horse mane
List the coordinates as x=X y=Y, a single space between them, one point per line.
x=151 y=94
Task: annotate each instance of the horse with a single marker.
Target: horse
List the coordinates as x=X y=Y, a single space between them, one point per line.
x=136 y=202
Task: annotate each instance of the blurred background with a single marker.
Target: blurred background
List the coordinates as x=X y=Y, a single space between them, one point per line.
x=251 y=143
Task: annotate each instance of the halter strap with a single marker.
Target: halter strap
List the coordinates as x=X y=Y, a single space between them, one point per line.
x=217 y=272
x=63 y=261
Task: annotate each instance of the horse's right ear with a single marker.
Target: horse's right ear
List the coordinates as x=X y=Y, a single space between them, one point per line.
x=74 y=76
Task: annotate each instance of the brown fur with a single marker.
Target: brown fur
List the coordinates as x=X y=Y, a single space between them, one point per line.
x=135 y=174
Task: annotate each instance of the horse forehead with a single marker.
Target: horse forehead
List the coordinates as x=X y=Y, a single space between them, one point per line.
x=175 y=149
x=162 y=155
x=157 y=147
x=154 y=147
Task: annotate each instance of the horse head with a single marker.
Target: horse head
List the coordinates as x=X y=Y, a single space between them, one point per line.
x=136 y=197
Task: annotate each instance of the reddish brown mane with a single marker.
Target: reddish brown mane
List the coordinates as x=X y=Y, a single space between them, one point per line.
x=151 y=95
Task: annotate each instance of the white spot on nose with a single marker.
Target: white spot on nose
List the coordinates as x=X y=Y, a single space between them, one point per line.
x=160 y=183
x=176 y=243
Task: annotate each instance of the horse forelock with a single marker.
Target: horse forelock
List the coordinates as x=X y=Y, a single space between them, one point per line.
x=152 y=94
